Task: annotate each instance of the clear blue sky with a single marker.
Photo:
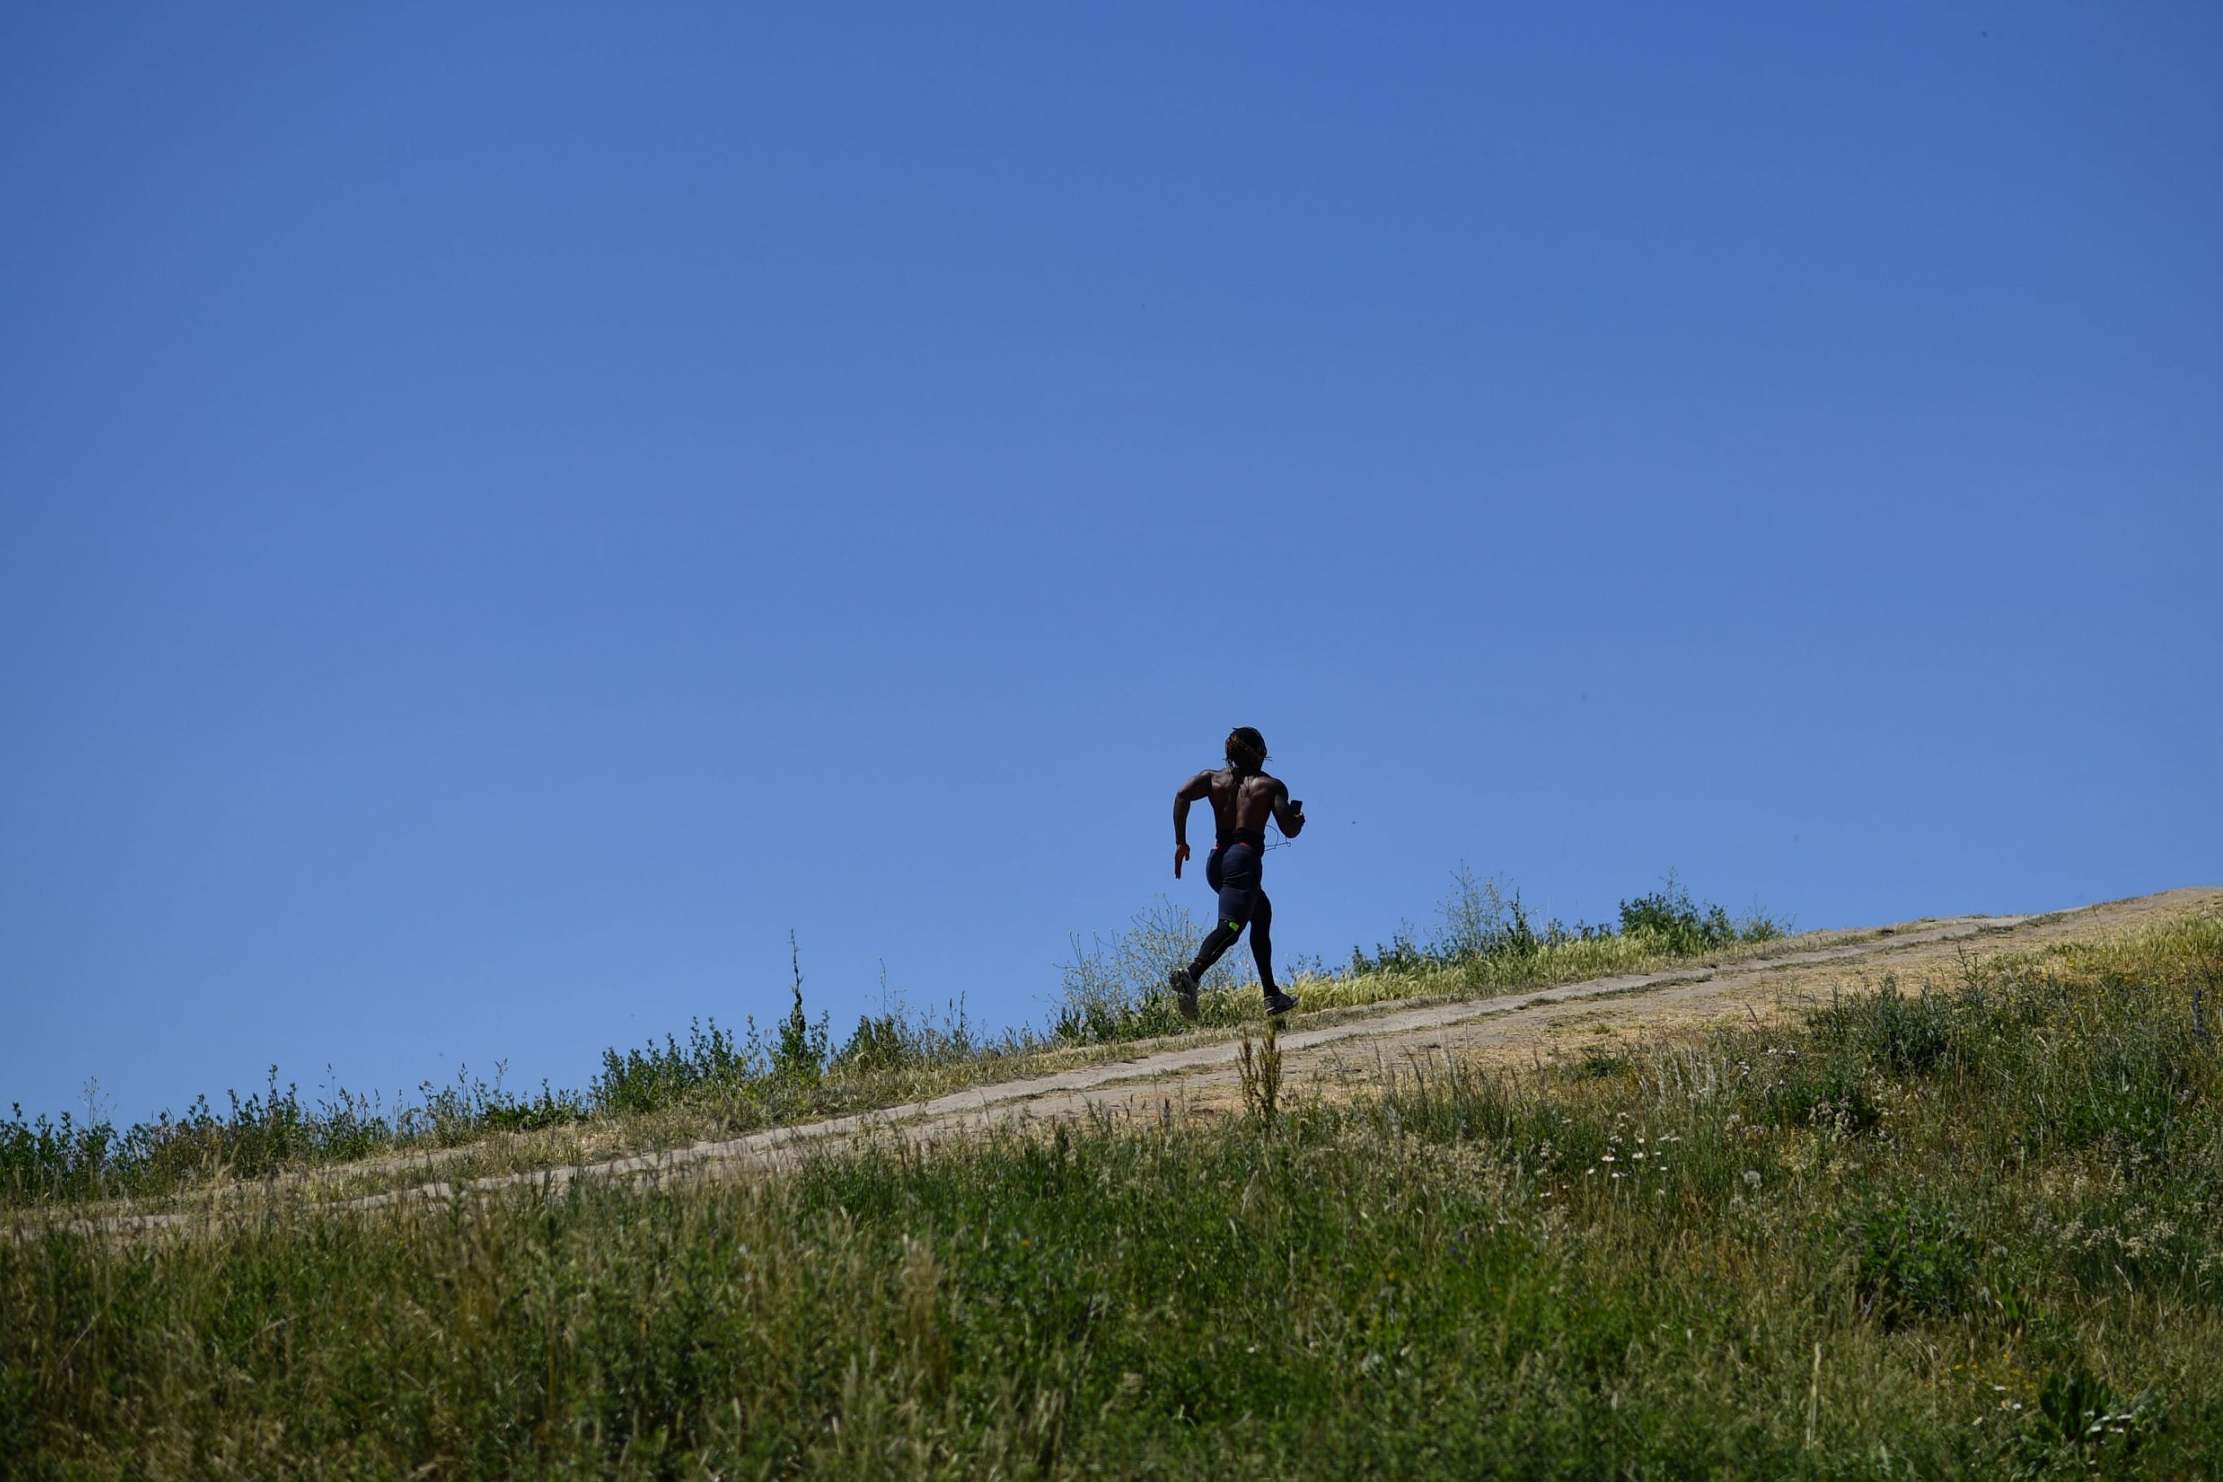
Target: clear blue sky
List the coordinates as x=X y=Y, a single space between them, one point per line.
x=508 y=510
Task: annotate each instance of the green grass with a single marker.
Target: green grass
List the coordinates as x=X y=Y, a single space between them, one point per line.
x=1975 y=1232
x=716 y=1084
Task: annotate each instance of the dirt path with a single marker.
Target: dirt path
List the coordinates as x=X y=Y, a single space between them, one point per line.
x=1175 y=1078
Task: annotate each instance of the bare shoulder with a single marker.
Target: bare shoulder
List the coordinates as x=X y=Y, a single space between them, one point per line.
x=1198 y=786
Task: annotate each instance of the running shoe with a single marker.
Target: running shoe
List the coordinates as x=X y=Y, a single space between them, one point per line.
x=1184 y=992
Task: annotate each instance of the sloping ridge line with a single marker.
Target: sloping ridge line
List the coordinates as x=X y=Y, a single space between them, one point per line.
x=1167 y=1064
x=1170 y=1064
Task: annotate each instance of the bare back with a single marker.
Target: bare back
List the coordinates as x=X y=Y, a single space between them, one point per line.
x=1242 y=802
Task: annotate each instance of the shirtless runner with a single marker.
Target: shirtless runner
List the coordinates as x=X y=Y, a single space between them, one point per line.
x=1243 y=798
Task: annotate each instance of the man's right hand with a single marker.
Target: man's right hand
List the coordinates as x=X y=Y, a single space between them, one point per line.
x=1180 y=855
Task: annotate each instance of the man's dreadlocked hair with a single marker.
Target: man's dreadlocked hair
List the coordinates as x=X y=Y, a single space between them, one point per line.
x=1246 y=749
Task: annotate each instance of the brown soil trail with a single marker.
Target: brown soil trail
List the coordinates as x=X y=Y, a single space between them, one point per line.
x=1170 y=1078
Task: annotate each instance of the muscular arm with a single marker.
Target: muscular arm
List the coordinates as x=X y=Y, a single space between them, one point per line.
x=1199 y=786
x=1289 y=815
x=1194 y=790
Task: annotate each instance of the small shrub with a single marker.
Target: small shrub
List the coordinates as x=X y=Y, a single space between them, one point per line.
x=1680 y=924
x=2081 y=1420
x=656 y=1076
x=1481 y=919
x=878 y=1043
x=1891 y=1032
x=1824 y=1091
x=1914 y=1261
x=1598 y=1063
x=799 y=1054
x=1260 y=1073
x=1116 y=990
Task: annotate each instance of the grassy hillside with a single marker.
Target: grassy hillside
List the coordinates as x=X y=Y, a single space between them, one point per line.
x=720 y=1084
x=1976 y=1231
